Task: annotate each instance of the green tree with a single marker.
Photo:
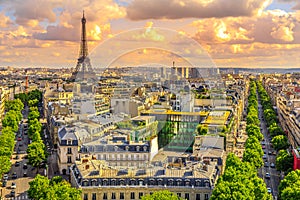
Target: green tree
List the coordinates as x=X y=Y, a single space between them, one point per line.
x=253 y=156
x=33 y=103
x=22 y=96
x=33 y=114
x=38 y=187
x=280 y=142
x=5 y=165
x=284 y=161
x=289 y=187
x=275 y=130
x=34 y=127
x=161 y=195
x=253 y=143
x=36 y=153
x=11 y=120
x=15 y=105
x=253 y=130
x=35 y=94
x=202 y=129
x=43 y=189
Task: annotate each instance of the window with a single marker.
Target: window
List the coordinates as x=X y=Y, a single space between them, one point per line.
x=69 y=159
x=187 y=196
x=85 y=197
x=69 y=142
x=69 y=150
x=122 y=195
x=198 y=197
x=132 y=195
x=104 y=196
x=206 y=197
x=113 y=195
x=140 y=195
x=94 y=196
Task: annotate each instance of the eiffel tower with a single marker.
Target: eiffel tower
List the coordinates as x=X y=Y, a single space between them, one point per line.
x=84 y=70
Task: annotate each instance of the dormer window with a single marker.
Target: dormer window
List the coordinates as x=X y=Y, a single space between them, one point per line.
x=116 y=148
x=138 y=148
x=127 y=148
x=145 y=148
x=69 y=142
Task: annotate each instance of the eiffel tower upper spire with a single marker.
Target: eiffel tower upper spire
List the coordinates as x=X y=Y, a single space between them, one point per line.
x=83 y=69
x=83 y=45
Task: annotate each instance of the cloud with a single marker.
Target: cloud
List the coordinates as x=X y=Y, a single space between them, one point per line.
x=5 y=21
x=274 y=27
x=176 y=9
x=40 y=10
x=97 y=13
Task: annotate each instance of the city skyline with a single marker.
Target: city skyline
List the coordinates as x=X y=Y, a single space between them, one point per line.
x=257 y=33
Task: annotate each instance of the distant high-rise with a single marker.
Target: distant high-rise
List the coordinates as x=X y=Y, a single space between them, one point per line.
x=84 y=70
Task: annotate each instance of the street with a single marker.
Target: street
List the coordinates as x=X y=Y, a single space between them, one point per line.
x=25 y=172
x=270 y=157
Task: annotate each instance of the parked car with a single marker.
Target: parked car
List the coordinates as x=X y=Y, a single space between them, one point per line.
x=272 y=165
x=19 y=139
x=14 y=175
x=270 y=152
x=13 y=185
x=4 y=182
x=5 y=176
x=263 y=146
x=264 y=156
x=269 y=190
x=25 y=166
x=12 y=193
x=17 y=164
x=268 y=176
x=25 y=174
x=266 y=164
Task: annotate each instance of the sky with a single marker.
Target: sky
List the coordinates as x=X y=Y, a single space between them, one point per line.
x=227 y=33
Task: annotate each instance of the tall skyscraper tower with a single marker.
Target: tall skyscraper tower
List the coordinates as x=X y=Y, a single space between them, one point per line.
x=84 y=70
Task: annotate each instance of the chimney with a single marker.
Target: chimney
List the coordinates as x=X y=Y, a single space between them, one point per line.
x=87 y=167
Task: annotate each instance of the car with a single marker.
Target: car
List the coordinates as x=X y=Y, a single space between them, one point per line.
x=272 y=165
x=266 y=164
x=269 y=190
x=263 y=143
x=5 y=176
x=19 y=139
x=17 y=164
x=269 y=152
x=264 y=156
x=25 y=174
x=25 y=166
x=4 y=182
x=268 y=176
x=263 y=146
x=14 y=175
x=274 y=153
x=13 y=185
x=17 y=157
x=20 y=144
x=12 y=193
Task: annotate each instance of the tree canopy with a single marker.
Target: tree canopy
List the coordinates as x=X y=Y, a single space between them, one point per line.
x=42 y=188
x=289 y=187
